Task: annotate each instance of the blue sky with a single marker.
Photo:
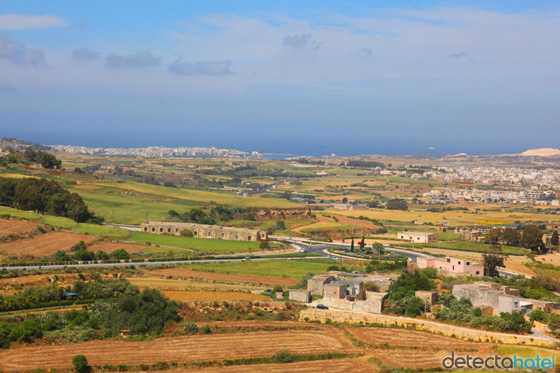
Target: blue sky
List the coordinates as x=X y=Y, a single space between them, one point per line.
x=313 y=77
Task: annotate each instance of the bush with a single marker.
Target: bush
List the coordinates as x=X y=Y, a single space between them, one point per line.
x=120 y=254
x=186 y=233
x=206 y=329
x=40 y=229
x=191 y=328
x=283 y=356
x=162 y=365
x=80 y=363
x=539 y=316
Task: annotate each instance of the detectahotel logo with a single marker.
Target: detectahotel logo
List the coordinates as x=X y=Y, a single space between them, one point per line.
x=493 y=362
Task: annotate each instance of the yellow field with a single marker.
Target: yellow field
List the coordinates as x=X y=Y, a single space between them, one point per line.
x=454 y=218
x=211 y=296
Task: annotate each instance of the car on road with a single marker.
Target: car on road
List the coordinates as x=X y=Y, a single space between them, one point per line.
x=322 y=307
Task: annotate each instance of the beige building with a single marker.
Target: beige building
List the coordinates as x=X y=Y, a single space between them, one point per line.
x=420 y=237
x=205 y=231
x=346 y=290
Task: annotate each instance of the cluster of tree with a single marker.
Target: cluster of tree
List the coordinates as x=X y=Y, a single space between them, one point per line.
x=47 y=197
x=144 y=312
x=402 y=299
x=443 y=209
x=40 y=295
x=386 y=265
x=45 y=159
x=541 y=286
x=82 y=254
x=217 y=213
x=36 y=327
x=319 y=162
x=363 y=164
x=462 y=312
x=530 y=237
x=397 y=204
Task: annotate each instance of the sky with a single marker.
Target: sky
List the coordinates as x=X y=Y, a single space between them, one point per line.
x=294 y=77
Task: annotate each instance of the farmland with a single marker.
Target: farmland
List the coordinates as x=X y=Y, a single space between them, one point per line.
x=294 y=269
x=223 y=277
x=181 y=349
x=44 y=244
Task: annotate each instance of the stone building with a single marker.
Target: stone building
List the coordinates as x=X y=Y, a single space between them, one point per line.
x=488 y=294
x=300 y=295
x=453 y=265
x=420 y=237
x=205 y=231
x=346 y=290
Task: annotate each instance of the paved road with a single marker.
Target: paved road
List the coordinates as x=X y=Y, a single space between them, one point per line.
x=321 y=249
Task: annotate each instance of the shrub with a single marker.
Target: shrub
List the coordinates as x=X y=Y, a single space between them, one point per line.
x=191 y=328
x=80 y=363
x=206 y=329
x=41 y=229
x=162 y=365
x=186 y=233
x=120 y=254
x=538 y=315
x=283 y=356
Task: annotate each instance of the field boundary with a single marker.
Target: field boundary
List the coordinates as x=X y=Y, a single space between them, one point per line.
x=425 y=325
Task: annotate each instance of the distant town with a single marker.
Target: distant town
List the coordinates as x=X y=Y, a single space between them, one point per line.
x=159 y=152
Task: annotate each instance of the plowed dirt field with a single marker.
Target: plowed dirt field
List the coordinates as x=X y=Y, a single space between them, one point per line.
x=208 y=296
x=109 y=247
x=45 y=244
x=181 y=349
x=15 y=226
x=324 y=366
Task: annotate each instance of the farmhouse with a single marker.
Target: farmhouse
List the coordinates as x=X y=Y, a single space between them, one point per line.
x=204 y=231
x=348 y=291
x=420 y=237
x=453 y=265
x=501 y=298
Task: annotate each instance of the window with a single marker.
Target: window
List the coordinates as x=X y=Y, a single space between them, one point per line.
x=448 y=260
x=477 y=272
x=160 y=230
x=153 y=229
x=145 y=229
x=468 y=263
x=459 y=262
x=249 y=238
x=168 y=230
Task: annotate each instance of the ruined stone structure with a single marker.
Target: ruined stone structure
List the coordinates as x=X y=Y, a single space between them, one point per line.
x=205 y=231
x=300 y=295
x=346 y=290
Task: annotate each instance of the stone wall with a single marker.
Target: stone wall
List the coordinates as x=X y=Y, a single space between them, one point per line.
x=204 y=231
x=425 y=325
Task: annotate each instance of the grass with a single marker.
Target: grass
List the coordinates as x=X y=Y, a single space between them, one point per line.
x=276 y=268
x=199 y=244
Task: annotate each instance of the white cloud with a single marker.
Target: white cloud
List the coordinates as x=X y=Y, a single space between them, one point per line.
x=25 y=22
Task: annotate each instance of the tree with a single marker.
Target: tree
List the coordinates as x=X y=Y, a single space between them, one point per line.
x=397 y=204
x=378 y=248
x=49 y=161
x=492 y=259
x=265 y=245
x=532 y=238
x=554 y=239
x=120 y=254
x=511 y=237
x=493 y=236
x=362 y=243
x=280 y=225
x=345 y=200
x=80 y=363
x=352 y=245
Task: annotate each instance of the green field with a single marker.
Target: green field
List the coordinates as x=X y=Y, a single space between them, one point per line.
x=129 y=203
x=276 y=268
x=65 y=223
x=198 y=244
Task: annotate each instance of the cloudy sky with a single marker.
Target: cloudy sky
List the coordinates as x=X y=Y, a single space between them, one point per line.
x=301 y=77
